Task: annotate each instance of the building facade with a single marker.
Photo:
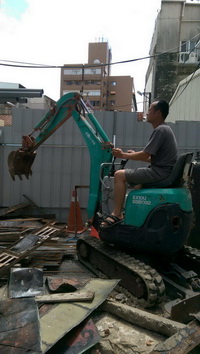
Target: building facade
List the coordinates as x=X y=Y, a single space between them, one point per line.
x=175 y=47
x=100 y=90
x=16 y=95
x=185 y=104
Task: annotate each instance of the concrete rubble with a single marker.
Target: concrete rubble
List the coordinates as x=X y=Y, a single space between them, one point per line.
x=123 y=326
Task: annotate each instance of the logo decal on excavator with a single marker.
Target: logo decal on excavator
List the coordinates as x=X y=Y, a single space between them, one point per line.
x=140 y=199
x=90 y=138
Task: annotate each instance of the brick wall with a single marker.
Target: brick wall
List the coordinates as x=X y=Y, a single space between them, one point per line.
x=7 y=119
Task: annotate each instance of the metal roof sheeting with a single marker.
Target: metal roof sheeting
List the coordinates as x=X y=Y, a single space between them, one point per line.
x=185 y=103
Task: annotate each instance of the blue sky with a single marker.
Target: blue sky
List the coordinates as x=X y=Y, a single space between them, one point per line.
x=13 y=8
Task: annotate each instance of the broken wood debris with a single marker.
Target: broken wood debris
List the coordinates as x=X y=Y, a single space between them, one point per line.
x=142 y=318
x=66 y=297
x=16 y=207
x=25 y=209
x=9 y=235
x=181 y=342
x=49 y=253
x=35 y=205
x=22 y=248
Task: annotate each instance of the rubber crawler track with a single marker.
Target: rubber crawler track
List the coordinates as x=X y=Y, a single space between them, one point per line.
x=191 y=257
x=192 y=253
x=148 y=279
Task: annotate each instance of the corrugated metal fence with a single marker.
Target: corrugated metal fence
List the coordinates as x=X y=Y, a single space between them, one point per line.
x=62 y=162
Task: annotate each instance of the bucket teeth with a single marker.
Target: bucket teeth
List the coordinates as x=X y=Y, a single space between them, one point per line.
x=12 y=175
x=20 y=162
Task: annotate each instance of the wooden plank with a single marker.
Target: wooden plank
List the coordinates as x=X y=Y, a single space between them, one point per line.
x=181 y=342
x=25 y=246
x=16 y=207
x=66 y=297
x=142 y=318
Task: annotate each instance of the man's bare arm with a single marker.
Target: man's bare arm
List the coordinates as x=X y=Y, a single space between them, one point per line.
x=132 y=155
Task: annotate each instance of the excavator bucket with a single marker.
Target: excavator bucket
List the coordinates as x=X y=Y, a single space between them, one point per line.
x=20 y=162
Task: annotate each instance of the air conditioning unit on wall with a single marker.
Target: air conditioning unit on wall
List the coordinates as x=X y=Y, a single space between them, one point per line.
x=183 y=57
x=187 y=58
x=193 y=58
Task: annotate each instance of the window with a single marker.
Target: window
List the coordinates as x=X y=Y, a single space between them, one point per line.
x=113 y=83
x=73 y=71
x=69 y=83
x=73 y=82
x=92 y=71
x=96 y=82
x=188 y=46
x=92 y=82
x=91 y=93
x=183 y=46
x=189 y=52
x=95 y=103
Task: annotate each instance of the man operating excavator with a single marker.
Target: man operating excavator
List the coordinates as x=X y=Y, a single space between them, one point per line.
x=160 y=152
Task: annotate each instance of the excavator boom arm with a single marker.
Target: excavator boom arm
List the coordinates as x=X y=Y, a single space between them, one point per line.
x=99 y=145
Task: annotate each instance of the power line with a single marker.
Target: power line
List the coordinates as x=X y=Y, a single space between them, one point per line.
x=37 y=66
x=191 y=77
x=25 y=65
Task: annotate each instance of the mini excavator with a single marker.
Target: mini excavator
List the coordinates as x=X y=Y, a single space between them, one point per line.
x=148 y=250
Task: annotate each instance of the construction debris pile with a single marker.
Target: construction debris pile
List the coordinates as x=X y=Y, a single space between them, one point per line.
x=50 y=303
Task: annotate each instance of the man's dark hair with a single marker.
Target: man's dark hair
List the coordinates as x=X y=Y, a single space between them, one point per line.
x=163 y=107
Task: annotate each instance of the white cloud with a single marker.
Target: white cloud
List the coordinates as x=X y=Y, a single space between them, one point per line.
x=58 y=32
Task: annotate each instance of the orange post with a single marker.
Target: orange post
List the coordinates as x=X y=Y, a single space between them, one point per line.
x=74 y=223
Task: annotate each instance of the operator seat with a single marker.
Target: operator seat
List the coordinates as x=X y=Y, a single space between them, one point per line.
x=178 y=176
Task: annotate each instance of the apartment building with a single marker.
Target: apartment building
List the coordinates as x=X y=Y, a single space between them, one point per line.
x=175 y=47
x=100 y=90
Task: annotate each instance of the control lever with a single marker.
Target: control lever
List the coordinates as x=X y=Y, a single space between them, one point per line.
x=112 y=168
x=123 y=163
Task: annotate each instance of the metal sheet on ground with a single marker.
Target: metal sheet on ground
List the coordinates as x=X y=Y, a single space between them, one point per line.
x=184 y=310
x=66 y=284
x=78 y=340
x=64 y=317
x=25 y=282
x=19 y=322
